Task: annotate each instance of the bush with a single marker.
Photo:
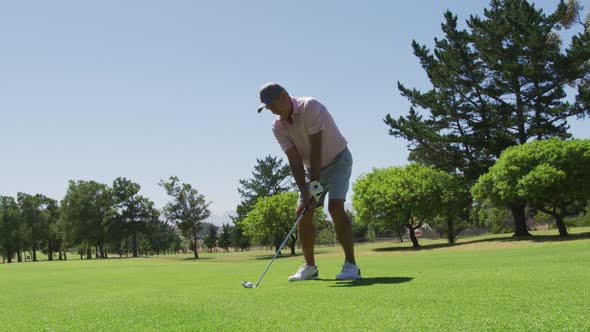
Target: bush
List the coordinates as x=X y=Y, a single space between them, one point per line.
x=500 y=228
x=544 y=218
x=570 y=222
x=495 y=219
x=585 y=220
x=326 y=236
x=359 y=231
x=582 y=220
x=371 y=235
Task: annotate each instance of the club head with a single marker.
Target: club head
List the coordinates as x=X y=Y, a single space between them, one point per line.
x=248 y=284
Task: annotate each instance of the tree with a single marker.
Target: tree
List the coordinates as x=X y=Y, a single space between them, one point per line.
x=404 y=197
x=50 y=215
x=224 y=240
x=133 y=210
x=175 y=240
x=239 y=240
x=359 y=229
x=455 y=199
x=494 y=218
x=324 y=229
x=88 y=213
x=578 y=53
x=461 y=130
x=187 y=209
x=551 y=175
x=271 y=176
x=210 y=240
x=273 y=217
x=9 y=227
x=63 y=236
x=158 y=233
x=30 y=212
x=498 y=84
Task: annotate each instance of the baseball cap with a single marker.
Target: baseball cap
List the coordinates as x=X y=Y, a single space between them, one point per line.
x=269 y=92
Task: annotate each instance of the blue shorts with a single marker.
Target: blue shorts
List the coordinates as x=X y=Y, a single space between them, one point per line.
x=335 y=177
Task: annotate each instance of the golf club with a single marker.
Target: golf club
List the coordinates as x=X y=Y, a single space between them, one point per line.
x=248 y=284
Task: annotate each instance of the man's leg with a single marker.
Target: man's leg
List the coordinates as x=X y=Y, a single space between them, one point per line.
x=343 y=228
x=307 y=234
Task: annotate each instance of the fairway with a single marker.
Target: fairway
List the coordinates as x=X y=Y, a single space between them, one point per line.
x=482 y=283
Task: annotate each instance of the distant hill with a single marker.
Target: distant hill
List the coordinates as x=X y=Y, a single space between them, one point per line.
x=220 y=220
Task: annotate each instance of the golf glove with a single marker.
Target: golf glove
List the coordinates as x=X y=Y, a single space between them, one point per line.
x=316 y=190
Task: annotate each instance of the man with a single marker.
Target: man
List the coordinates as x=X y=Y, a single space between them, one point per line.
x=309 y=137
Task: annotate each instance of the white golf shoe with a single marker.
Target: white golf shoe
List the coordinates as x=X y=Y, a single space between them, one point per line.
x=305 y=272
x=349 y=272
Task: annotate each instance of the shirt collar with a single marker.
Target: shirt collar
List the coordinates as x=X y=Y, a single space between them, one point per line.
x=297 y=109
x=296 y=105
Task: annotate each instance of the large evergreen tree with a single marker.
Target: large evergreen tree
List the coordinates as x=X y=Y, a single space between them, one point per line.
x=271 y=176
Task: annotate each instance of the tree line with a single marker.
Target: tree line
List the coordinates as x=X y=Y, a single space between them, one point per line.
x=550 y=176
x=99 y=220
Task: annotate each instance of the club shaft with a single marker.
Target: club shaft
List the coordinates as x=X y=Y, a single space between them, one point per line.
x=282 y=245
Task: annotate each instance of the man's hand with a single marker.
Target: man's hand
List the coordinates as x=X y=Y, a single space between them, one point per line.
x=311 y=195
x=307 y=201
x=316 y=190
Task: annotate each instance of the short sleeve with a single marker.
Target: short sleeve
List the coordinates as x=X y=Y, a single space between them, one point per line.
x=315 y=116
x=281 y=136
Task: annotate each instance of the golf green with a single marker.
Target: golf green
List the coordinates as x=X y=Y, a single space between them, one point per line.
x=481 y=283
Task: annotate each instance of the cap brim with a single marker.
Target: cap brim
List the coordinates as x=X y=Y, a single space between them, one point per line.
x=261 y=107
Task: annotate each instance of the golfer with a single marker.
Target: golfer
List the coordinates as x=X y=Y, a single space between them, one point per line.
x=315 y=148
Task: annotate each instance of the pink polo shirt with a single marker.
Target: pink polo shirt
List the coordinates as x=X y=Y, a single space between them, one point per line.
x=309 y=117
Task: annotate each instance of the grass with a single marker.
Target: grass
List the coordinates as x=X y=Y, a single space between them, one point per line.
x=483 y=283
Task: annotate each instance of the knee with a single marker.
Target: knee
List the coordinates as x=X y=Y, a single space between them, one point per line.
x=307 y=219
x=336 y=208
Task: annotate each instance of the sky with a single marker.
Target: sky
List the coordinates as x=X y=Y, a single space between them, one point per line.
x=150 y=89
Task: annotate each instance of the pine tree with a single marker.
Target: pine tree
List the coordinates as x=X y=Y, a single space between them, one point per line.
x=271 y=176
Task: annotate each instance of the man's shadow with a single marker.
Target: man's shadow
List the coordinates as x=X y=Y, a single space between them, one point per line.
x=369 y=281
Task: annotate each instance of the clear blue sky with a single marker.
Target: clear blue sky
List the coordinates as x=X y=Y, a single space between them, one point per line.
x=150 y=89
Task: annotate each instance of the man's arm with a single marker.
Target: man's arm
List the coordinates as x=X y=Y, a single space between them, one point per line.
x=296 y=165
x=315 y=141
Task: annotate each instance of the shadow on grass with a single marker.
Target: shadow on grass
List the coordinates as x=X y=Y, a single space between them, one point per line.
x=535 y=238
x=556 y=238
x=287 y=255
x=368 y=281
x=124 y=257
x=197 y=259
